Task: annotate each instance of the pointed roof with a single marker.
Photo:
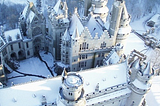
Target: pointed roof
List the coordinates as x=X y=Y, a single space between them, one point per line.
x=147 y=70
x=65 y=7
x=66 y=36
x=56 y=7
x=75 y=22
x=75 y=34
x=94 y=26
x=136 y=64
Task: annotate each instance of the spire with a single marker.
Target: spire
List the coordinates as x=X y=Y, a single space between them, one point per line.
x=136 y=64
x=65 y=7
x=75 y=34
x=56 y=7
x=147 y=70
x=66 y=36
x=64 y=74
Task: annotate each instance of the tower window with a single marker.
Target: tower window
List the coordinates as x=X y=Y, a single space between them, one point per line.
x=11 y=47
x=27 y=45
x=19 y=44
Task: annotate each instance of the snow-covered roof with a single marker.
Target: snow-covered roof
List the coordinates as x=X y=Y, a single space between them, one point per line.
x=112 y=58
x=95 y=26
x=155 y=18
x=140 y=84
x=31 y=16
x=66 y=35
x=57 y=7
x=12 y=35
x=101 y=10
x=75 y=34
x=75 y=22
x=30 y=94
x=24 y=13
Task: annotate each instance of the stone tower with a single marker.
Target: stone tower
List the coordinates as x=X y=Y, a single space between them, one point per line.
x=58 y=23
x=87 y=6
x=119 y=24
x=97 y=7
x=65 y=48
x=71 y=93
x=141 y=74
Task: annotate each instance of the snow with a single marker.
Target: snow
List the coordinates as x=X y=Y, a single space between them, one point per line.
x=29 y=66
x=153 y=96
x=12 y=35
x=31 y=16
x=47 y=57
x=134 y=42
x=30 y=94
x=124 y=30
x=25 y=11
x=108 y=96
x=101 y=76
x=140 y=85
x=94 y=27
x=66 y=35
x=75 y=22
x=155 y=18
x=57 y=7
x=101 y=10
x=112 y=58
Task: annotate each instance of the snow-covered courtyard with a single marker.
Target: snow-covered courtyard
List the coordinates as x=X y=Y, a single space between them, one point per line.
x=32 y=69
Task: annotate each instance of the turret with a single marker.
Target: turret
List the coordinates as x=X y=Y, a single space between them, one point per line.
x=140 y=82
x=87 y=6
x=58 y=23
x=119 y=25
x=71 y=93
x=65 y=48
x=97 y=7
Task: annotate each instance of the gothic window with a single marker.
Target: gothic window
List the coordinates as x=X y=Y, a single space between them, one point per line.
x=83 y=56
x=102 y=54
x=80 y=47
x=4 y=52
x=84 y=46
x=82 y=64
x=99 y=54
x=27 y=45
x=19 y=44
x=11 y=47
x=36 y=31
x=103 y=45
x=28 y=53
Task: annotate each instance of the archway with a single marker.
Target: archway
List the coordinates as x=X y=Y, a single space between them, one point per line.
x=36 y=31
x=21 y=54
x=14 y=56
x=37 y=45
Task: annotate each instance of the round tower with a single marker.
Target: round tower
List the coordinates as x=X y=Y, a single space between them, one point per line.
x=71 y=93
x=141 y=84
x=99 y=8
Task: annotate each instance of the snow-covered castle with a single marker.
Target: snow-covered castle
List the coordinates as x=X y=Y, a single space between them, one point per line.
x=80 y=43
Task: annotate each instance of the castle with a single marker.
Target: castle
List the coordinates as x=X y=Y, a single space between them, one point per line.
x=122 y=84
x=79 y=43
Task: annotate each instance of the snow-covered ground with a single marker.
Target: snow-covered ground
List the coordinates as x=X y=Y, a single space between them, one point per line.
x=33 y=68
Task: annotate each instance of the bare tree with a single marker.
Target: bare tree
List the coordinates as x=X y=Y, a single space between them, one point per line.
x=155 y=60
